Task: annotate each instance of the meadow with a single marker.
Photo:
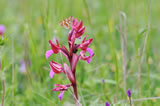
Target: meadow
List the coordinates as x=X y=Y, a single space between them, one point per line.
x=125 y=44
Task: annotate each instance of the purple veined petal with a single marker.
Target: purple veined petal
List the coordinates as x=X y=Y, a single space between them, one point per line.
x=90 y=51
x=51 y=74
x=60 y=96
x=48 y=53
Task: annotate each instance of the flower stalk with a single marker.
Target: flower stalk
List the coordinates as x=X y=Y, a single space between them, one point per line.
x=129 y=93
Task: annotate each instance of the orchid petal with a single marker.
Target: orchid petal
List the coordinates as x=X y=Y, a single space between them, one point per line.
x=51 y=74
x=2 y=30
x=89 y=60
x=54 y=47
x=90 y=51
x=60 y=96
x=85 y=43
x=48 y=53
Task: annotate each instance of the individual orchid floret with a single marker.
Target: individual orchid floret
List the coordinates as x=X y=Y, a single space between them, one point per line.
x=55 y=67
x=2 y=30
x=62 y=89
x=54 y=47
x=87 y=58
x=85 y=43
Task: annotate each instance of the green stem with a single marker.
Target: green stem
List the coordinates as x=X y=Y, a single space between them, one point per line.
x=130 y=101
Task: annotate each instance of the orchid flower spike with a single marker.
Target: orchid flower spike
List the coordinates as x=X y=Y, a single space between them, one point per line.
x=76 y=32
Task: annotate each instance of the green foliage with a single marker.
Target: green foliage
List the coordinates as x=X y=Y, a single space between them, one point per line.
x=31 y=23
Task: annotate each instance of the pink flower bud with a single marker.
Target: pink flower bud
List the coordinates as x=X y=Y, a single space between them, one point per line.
x=55 y=67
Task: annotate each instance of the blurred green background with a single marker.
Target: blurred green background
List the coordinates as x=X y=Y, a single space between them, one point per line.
x=31 y=23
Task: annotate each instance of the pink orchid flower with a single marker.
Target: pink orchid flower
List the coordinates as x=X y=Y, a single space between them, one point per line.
x=55 y=67
x=2 y=30
x=62 y=89
x=54 y=47
x=72 y=55
x=85 y=43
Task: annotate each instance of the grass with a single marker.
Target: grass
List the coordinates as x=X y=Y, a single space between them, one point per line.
x=135 y=64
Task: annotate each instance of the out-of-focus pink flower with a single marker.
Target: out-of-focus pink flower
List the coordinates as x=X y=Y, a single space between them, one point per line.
x=55 y=67
x=103 y=81
x=24 y=64
x=22 y=67
x=54 y=47
x=2 y=30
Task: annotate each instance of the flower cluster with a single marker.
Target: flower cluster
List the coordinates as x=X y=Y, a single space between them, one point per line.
x=72 y=56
